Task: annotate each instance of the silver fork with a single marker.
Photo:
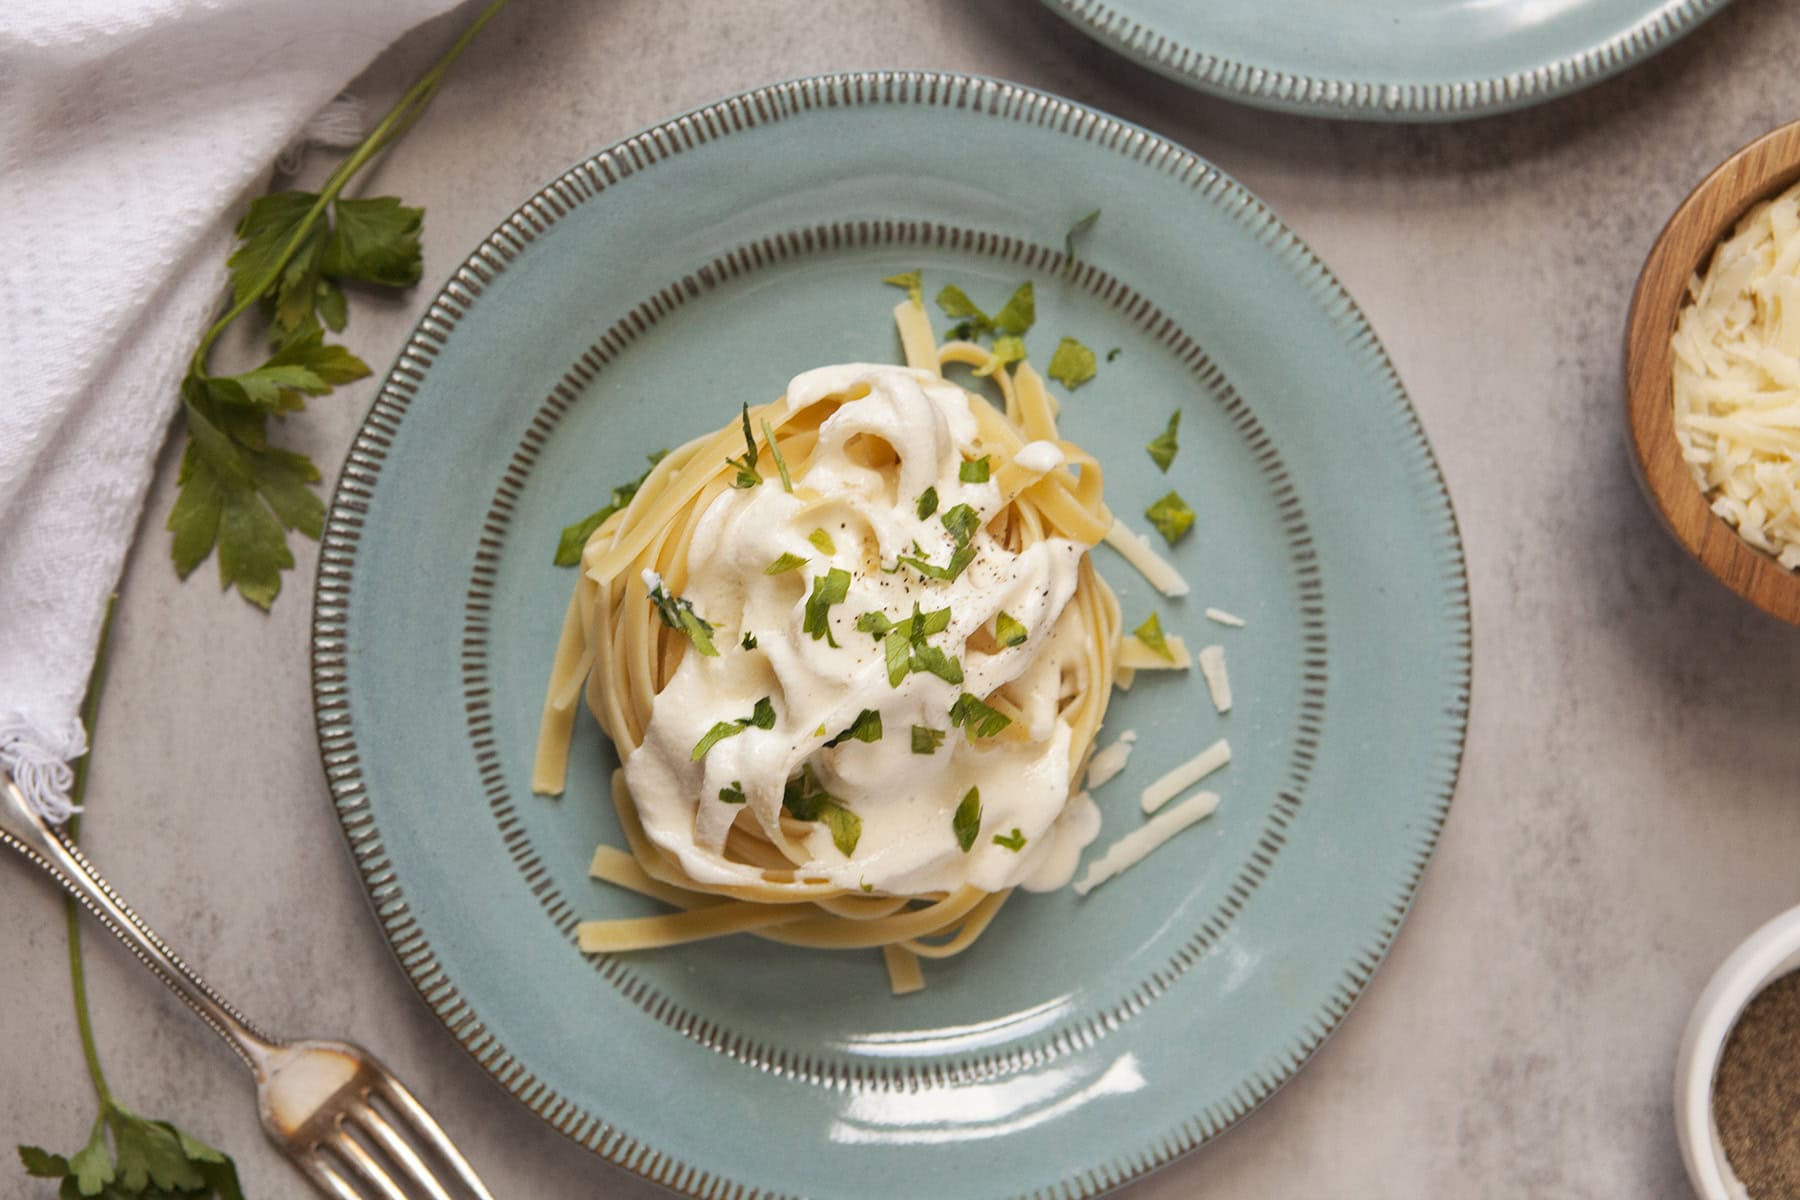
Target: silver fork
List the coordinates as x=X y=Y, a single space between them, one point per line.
x=322 y=1103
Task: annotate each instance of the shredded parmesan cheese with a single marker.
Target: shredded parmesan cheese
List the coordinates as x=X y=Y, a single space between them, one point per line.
x=1109 y=762
x=1135 y=656
x=1212 y=666
x=1123 y=678
x=1151 y=565
x=1132 y=849
x=1737 y=379
x=1224 y=618
x=1186 y=775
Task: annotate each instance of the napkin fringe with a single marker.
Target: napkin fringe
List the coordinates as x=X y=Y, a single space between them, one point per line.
x=339 y=125
x=40 y=763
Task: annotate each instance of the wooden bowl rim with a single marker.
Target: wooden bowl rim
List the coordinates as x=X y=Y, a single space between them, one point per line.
x=1685 y=244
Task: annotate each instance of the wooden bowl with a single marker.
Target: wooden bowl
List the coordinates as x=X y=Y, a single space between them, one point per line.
x=1759 y=171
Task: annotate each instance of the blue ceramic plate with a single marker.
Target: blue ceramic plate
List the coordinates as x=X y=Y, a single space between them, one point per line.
x=636 y=301
x=1388 y=60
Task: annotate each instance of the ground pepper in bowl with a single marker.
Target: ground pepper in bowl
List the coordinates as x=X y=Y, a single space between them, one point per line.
x=1756 y=1095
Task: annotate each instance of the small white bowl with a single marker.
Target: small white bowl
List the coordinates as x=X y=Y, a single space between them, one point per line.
x=1765 y=956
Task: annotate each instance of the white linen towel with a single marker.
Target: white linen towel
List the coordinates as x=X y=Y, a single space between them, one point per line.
x=132 y=133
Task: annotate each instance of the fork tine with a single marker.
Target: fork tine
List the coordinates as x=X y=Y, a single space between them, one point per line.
x=430 y=1133
x=365 y=1164
x=323 y=1177
x=370 y=1120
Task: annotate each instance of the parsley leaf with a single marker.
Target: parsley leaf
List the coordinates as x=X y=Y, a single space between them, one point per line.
x=805 y=799
x=905 y=647
x=1007 y=351
x=747 y=474
x=822 y=540
x=733 y=793
x=962 y=521
x=678 y=613
x=146 y=1158
x=1014 y=841
x=1172 y=517
x=913 y=282
x=958 y=562
x=575 y=537
x=749 y=642
x=1114 y=353
x=958 y=307
x=1008 y=630
x=295 y=250
x=761 y=717
x=1073 y=364
x=787 y=483
x=828 y=589
x=967 y=821
x=1151 y=634
x=1078 y=229
x=866 y=728
x=1020 y=312
x=974 y=471
x=926 y=740
x=977 y=719
x=928 y=502
x=784 y=564
x=1162 y=447
x=376 y=240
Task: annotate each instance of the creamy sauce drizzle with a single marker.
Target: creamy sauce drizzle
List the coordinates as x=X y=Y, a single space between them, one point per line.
x=906 y=801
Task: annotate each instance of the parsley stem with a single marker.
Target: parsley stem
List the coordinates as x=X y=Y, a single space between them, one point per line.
x=90 y=710
x=399 y=118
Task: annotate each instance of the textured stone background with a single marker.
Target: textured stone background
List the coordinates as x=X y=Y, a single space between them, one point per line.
x=1628 y=808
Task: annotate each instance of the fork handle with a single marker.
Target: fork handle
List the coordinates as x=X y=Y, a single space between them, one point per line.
x=25 y=831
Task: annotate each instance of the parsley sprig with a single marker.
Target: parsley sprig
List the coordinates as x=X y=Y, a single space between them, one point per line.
x=126 y=1154
x=238 y=493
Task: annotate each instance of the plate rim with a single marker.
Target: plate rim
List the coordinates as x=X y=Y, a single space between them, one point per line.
x=1383 y=100
x=753 y=108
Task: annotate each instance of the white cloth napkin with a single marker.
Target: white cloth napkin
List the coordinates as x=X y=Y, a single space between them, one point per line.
x=132 y=133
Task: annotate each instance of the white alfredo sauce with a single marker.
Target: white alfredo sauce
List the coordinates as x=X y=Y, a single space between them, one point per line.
x=906 y=801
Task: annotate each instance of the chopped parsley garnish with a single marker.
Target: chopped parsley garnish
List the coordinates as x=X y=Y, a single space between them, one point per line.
x=787 y=484
x=747 y=474
x=1162 y=447
x=1114 y=353
x=977 y=719
x=904 y=646
x=1007 y=351
x=678 y=613
x=828 y=589
x=1172 y=517
x=1078 y=229
x=867 y=886
x=913 y=282
x=928 y=502
x=967 y=821
x=749 y=642
x=574 y=537
x=806 y=799
x=784 y=564
x=926 y=740
x=866 y=728
x=732 y=793
x=1020 y=312
x=762 y=717
x=1008 y=630
x=1151 y=634
x=1073 y=364
x=1014 y=841
x=958 y=562
x=962 y=521
x=822 y=540
x=975 y=471
x=1016 y=317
